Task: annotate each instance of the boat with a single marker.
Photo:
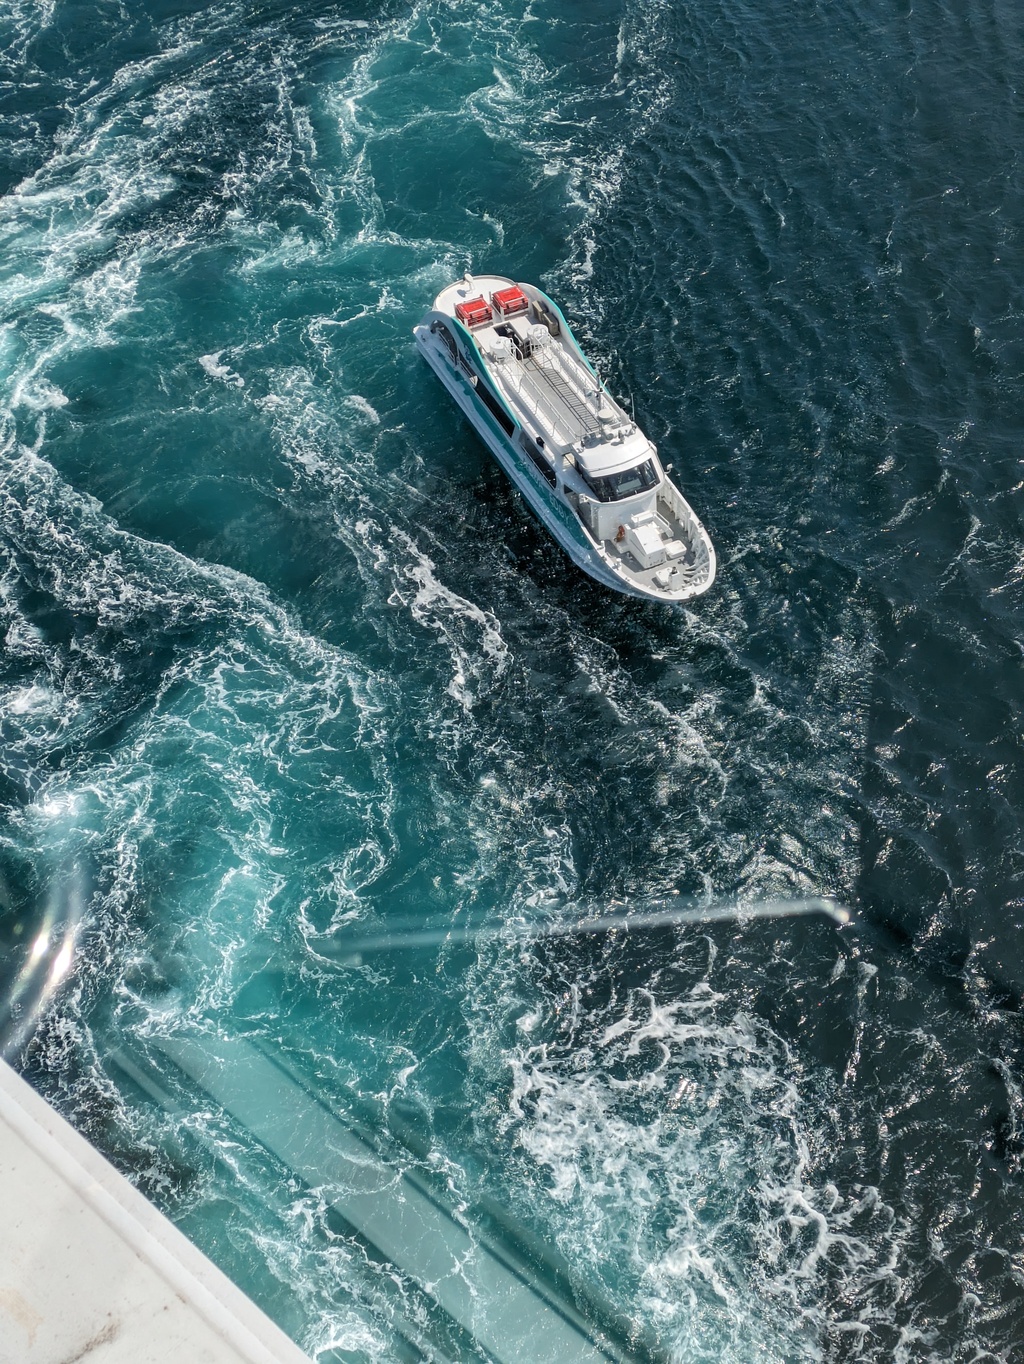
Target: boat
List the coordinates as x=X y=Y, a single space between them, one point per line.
x=507 y=356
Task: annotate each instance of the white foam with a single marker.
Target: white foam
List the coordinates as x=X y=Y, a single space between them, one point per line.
x=35 y=699
x=39 y=394
x=635 y=1120
x=213 y=366
x=364 y=407
x=476 y=665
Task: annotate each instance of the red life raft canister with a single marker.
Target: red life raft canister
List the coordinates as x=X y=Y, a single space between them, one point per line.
x=510 y=301
x=474 y=312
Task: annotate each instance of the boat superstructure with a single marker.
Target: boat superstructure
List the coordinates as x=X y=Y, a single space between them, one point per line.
x=506 y=354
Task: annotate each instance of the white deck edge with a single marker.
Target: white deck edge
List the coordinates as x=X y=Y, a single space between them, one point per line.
x=142 y=1228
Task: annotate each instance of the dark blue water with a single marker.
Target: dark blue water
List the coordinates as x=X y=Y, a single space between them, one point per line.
x=285 y=659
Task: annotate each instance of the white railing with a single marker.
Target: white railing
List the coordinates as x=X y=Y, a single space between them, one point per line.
x=546 y=387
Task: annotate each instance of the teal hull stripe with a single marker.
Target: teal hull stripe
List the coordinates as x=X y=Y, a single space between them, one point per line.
x=552 y=505
x=474 y=350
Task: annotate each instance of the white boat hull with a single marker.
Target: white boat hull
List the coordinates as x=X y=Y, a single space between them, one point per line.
x=498 y=425
x=504 y=453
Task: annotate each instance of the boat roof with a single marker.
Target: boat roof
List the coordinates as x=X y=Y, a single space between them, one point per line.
x=546 y=377
x=470 y=286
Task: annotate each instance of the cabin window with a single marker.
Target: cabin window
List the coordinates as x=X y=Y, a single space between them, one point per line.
x=625 y=483
x=439 y=329
x=539 y=458
x=494 y=407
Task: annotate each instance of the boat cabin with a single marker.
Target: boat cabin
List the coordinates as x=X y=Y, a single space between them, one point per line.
x=512 y=344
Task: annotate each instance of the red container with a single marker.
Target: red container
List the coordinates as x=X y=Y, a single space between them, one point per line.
x=510 y=301
x=474 y=312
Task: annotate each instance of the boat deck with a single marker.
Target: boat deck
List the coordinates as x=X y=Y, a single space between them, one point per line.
x=549 y=385
x=546 y=385
x=92 y=1270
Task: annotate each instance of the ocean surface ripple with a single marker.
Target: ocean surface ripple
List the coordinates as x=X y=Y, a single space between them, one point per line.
x=286 y=660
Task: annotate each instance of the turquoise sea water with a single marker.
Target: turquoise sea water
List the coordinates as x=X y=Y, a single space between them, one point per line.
x=288 y=666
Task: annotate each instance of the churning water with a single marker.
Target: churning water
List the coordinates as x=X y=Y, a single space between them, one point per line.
x=288 y=666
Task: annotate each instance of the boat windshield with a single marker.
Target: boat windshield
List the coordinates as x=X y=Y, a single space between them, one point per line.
x=614 y=487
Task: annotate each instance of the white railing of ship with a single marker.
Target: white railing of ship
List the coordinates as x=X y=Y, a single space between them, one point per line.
x=544 y=384
x=696 y=573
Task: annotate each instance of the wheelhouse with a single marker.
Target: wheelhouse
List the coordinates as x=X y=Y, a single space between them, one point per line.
x=624 y=483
